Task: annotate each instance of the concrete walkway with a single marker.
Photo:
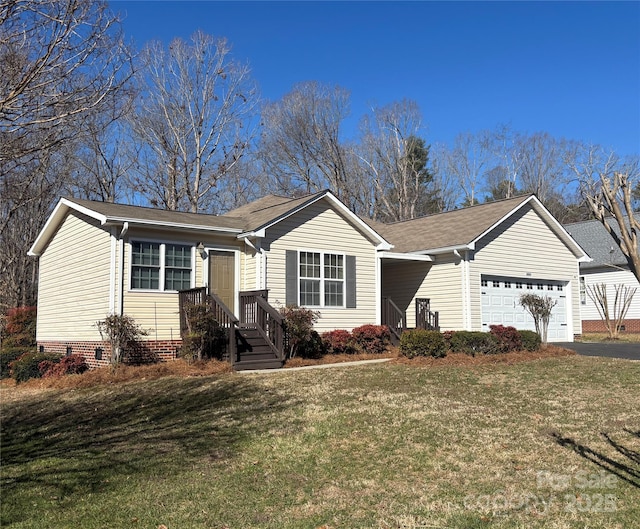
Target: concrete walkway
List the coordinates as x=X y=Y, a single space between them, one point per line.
x=319 y=366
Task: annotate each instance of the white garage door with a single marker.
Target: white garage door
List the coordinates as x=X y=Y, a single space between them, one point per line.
x=500 y=304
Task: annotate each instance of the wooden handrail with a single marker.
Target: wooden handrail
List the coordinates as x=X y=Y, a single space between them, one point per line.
x=425 y=317
x=393 y=317
x=221 y=313
x=270 y=323
x=255 y=311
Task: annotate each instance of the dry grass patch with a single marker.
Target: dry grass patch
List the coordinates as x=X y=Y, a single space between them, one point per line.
x=379 y=446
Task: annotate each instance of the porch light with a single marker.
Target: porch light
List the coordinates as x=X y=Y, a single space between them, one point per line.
x=201 y=250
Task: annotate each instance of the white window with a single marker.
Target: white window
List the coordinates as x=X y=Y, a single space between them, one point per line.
x=161 y=266
x=321 y=279
x=583 y=291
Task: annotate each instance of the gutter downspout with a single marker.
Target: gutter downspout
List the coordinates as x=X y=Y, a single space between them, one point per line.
x=123 y=232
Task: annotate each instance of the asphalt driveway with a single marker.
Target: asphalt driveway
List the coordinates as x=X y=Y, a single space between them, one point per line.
x=629 y=351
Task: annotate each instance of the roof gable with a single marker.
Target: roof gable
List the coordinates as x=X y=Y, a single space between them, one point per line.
x=266 y=212
x=463 y=228
x=118 y=214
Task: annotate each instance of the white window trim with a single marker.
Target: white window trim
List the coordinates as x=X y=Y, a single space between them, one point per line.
x=163 y=243
x=322 y=279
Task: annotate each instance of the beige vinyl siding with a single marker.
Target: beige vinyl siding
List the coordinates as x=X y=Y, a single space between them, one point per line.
x=319 y=227
x=610 y=278
x=405 y=281
x=73 y=288
x=444 y=288
x=524 y=246
x=248 y=269
x=158 y=312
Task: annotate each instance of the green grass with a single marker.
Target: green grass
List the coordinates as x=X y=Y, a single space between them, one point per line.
x=377 y=446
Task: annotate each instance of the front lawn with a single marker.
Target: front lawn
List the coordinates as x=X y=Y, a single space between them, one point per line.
x=553 y=442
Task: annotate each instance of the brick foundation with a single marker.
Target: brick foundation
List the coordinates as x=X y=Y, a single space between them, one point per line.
x=630 y=326
x=97 y=354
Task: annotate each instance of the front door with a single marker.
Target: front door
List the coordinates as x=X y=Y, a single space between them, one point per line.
x=222 y=276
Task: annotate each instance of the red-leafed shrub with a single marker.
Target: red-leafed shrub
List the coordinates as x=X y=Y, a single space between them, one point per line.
x=339 y=342
x=508 y=338
x=372 y=338
x=68 y=365
x=20 y=327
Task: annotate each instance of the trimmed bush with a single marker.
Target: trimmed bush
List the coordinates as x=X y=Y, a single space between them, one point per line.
x=27 y=365
x=474 y=342
x=372 y=338
x=68 y=365
x=419 y=342
x=8 y=355
x=508 y=338
x=312 y=346
x=338 y=342
x=531 y=340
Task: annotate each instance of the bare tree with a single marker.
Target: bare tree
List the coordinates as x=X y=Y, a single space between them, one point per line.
x=610 y=200
x=193 y=121
x=612 y=315
x=59 y=60
x=445 y=188
x=301 y=146
x=106 y=154
x=395 y=160
x=467 y=162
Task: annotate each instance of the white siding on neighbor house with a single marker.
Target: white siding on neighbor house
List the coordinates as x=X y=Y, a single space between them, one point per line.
x=610 y=278
x=524 y=246
x=319 y=227
x=158 y=312
x=73 y=288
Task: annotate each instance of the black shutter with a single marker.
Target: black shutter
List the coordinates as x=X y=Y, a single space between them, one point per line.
x=350 y=270
x=291 y=271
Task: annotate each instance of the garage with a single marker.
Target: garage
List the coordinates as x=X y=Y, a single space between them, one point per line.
x=500 y=304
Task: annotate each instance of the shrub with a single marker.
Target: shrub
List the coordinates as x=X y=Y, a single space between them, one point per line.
x=531 y=340
x=20 y=327
x=312 y=346
x=420 y=342
x=298 y=326
x=372 y=338
x=205 y=337
x=474 y=342
x=121 y=331
x=8 y=355
x=338 y=342
x=508 y=338
x=27 y=365
x=68 y=365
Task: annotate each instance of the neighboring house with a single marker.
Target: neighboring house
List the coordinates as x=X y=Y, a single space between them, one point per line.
x=608 y=266
x=468 y=266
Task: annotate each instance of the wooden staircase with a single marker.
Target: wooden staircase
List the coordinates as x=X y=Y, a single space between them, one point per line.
x=255 y=340
x=254 y=351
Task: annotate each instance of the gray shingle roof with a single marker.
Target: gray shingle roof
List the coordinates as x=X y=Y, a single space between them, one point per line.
x=267 y=209
x=452 y=228
x=596 y=241
x=145 y=214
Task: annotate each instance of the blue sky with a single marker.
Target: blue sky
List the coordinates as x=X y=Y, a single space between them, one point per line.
x=568 y=68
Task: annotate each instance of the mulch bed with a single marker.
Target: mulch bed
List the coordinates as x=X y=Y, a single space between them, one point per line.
x=452 y=359
x=461 y=359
